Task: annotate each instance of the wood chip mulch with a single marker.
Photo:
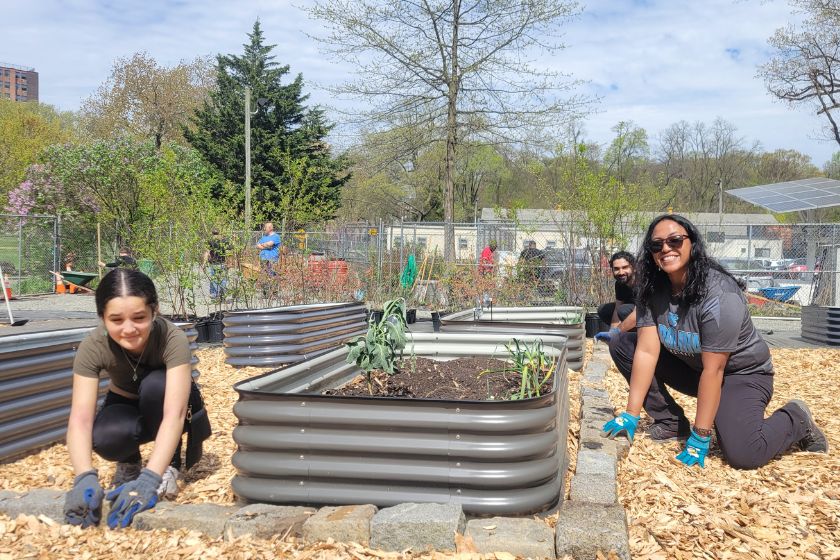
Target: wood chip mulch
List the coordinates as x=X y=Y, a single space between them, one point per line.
x=788 y=509
x=208 y=482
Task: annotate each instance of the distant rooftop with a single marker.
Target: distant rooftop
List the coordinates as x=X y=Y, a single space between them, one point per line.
x=16 y=66
x=534 y=215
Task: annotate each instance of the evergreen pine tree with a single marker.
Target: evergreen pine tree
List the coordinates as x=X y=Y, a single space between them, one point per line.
x=293 y=173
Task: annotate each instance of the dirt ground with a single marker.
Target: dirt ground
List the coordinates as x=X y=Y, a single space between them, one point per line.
x=789 y=509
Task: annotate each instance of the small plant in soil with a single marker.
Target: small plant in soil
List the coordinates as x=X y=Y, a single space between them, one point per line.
x=533 y=367
x=378 y=348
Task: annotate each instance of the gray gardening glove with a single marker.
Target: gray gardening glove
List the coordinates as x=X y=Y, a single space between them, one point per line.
x=133 y=497
x=83 y=504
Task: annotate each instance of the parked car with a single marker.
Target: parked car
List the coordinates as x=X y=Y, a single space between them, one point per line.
x=733 y=265
x=797 y=269
x=558 y=262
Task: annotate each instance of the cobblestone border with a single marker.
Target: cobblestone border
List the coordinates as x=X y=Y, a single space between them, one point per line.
x=591 y=521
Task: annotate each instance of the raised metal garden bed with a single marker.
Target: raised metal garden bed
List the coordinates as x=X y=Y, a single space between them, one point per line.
x=36 y=383
x=821 y=324
x=280 y=336
x=566 y=321
x=297 y=446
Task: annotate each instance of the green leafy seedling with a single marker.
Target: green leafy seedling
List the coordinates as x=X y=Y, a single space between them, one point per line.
x=384 y=339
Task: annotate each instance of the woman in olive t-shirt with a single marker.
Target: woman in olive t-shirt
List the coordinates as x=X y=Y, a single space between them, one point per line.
x=142 y=354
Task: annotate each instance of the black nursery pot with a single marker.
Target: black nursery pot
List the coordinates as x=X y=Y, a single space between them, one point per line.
x=203 y=332
x=376 y=316
x=215 y=331
x=436 y=321
x=594 y=325
x=411 y=316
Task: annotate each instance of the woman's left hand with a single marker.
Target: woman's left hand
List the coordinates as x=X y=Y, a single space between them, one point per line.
x=696 y=449
x=133 y=497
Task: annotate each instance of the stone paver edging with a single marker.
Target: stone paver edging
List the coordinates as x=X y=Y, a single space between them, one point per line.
x=591 y=521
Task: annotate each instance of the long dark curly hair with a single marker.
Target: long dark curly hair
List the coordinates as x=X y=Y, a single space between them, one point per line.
x=650 y=279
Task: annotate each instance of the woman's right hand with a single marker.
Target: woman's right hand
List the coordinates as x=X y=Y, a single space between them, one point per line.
x=83 y=504
x=624 y=422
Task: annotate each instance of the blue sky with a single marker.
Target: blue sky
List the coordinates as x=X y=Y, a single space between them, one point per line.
x=651 y=61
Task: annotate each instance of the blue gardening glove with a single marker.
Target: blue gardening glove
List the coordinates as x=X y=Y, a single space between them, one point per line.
x=133 y=497
x=696 y=449
x=624 y=422
x=83 y=504
x=607 y=336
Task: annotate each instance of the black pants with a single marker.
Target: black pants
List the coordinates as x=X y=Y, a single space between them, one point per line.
x=605 y=312
x=747 y=440
x=122 y=424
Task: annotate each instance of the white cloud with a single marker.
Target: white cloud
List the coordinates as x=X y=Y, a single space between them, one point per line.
x=654 y=62
x=663 y=61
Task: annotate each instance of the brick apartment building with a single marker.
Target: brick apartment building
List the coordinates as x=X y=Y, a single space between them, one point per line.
x=18 y=83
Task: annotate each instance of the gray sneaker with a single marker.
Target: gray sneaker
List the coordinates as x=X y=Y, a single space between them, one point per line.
x=168 y=489
x=660 y=433
x=814 y=440
x=126 y=472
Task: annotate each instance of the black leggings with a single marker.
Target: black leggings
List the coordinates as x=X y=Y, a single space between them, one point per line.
x=122 y=424
x=605 y=312
x=747 y=439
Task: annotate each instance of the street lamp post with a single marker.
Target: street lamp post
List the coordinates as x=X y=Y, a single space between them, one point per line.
x=260 y=104
x=247 y=158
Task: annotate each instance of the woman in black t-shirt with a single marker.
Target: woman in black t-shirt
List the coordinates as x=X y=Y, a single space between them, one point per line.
x=695 y=335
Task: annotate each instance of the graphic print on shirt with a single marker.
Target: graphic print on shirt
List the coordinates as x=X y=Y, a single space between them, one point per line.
x=684 y=343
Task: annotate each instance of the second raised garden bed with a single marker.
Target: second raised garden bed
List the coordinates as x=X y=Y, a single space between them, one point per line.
x=518 y=321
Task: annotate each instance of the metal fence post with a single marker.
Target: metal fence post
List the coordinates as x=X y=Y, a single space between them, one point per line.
x=20 y=255
x=749 y=246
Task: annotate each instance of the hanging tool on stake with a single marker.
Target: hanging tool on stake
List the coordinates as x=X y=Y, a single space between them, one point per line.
x=12 y=322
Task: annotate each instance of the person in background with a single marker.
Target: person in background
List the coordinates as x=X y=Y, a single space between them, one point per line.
x=269 y=246
x=694 y=334
x=123 y=260
x=215 y=258
x=487 y=261
x=531 y=261
x=620 y=314
x=147 y=360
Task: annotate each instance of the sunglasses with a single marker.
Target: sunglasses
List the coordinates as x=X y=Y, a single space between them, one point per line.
x=674 y=242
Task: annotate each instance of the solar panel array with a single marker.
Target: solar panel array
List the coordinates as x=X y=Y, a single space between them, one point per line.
x=804 y=194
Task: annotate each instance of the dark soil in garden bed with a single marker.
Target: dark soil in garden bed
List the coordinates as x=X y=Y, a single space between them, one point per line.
x=422 y=378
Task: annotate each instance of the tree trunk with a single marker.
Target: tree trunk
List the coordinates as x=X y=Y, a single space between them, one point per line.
x=451 y=142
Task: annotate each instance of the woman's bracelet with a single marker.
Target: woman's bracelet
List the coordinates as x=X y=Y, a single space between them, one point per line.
x=702 y=432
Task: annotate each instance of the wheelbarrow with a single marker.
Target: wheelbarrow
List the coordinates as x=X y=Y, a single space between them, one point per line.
x=779 y=293
x=76 y=279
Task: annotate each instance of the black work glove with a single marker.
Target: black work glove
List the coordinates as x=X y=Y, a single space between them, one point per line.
x=133 y=497
x=83 y=504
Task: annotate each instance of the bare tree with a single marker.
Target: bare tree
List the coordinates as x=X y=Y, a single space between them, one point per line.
x=694 y=157
x=804 y=70
x=467 y=66
x=142 y=99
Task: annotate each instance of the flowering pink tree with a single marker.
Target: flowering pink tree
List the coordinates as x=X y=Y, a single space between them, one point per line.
x=40 y=193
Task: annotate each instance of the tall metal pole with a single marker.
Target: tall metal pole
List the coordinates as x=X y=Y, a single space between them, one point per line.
x=720 y=206
x=248 y=159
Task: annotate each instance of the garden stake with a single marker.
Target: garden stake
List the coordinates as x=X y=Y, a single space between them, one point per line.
x=12 y=322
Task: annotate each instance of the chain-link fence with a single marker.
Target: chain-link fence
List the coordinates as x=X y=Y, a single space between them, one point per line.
x=558 y=262
x=29 y=252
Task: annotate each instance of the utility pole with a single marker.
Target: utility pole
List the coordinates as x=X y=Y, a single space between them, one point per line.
x=261 y=102
x=720 y=206
x=248 y=159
